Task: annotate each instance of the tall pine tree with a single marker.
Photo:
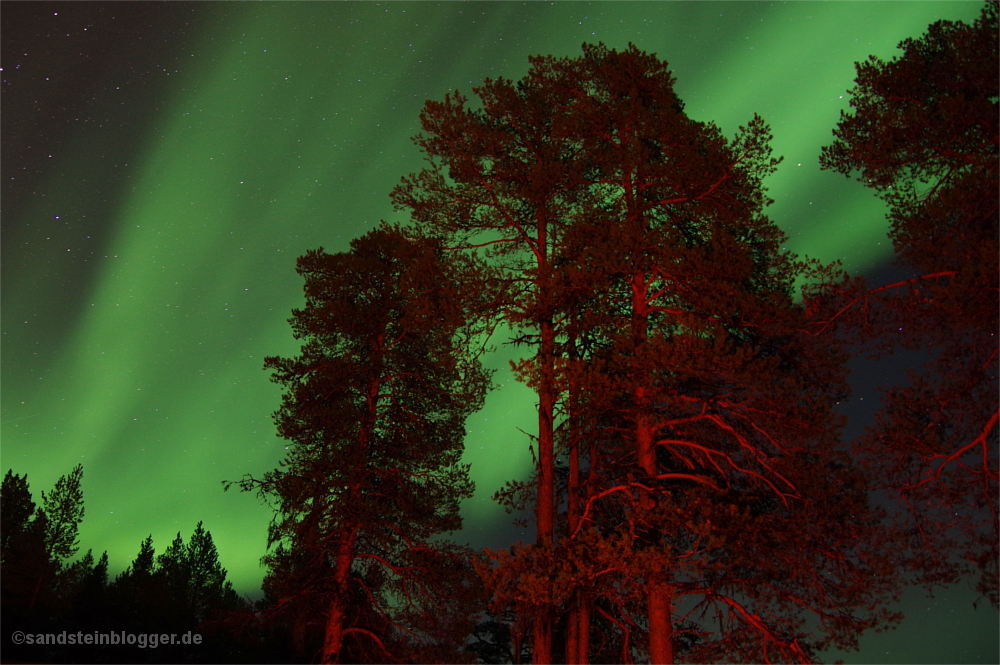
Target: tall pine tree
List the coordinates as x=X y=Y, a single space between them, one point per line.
x=373 y=414
x=659 y=300
x=503 y=179
x=923 y=134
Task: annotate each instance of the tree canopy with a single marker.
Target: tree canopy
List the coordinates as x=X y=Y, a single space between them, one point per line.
x=373 y=412
x=693 y=498
x=668 y=346
x=923 y=135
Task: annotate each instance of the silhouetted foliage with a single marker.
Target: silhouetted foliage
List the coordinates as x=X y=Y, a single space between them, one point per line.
x=499 y=638
x=17 y=510
x=35 y=571
x=45 y=594
x=502 y=178
x=373 y=412
x=923 y=135
x=671 y=364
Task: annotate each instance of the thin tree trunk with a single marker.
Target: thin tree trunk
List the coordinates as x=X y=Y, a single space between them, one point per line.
x=517 y=638
x=573 y=630
x=573 y=516
x=545 y=504
x=573 y=498
x=586 y=600
x=333 y=640
x=583 y=632
x=299 y=637
x=657 y=591
x=661 y=647
x=541 y=647
x=541 y=644
x=546 y=463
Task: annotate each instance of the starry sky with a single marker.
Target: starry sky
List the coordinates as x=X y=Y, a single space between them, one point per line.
x=163 y=165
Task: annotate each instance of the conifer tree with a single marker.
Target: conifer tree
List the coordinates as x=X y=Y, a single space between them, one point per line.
x=706 y=372
x=923 y=134
x=63 y=508
x=86 y=593
x=502 y=179
x=182 y=588
x=660 y=300
x=36 y=550
x=18 y=508
x=142 y=567
x=373 y=413
x=25 y=565
x=189 y=578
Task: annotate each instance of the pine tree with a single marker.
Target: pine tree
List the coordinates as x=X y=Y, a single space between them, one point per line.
x=923 y=135
x=182 y=588
x=25 y=565
x=85 y=593
x=172 y=581
x=660 y=302
x=502 y=179
x=17 y=510
x=373 y=412
x=35 y=550
x=64 y=511
x=135 y=594
x=703 y=369
x=209 y=590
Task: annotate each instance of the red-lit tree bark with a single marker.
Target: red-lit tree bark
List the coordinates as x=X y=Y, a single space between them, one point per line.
x=373 y=412
x=923 y=134
x=703 y=365
x=699 y=395
x=502 y=179
x=644 y=157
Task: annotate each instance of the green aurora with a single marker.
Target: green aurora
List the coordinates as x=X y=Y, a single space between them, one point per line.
x=283 y=127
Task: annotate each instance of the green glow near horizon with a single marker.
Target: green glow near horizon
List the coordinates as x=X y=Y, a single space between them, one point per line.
x=293 y=124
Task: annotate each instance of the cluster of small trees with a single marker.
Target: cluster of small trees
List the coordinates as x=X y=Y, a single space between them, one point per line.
x=692 y=497
x=44 y=591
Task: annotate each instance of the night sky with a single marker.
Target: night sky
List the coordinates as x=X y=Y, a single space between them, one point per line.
x=163 y=165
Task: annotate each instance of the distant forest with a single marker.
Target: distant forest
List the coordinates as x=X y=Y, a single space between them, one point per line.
x=692 y=496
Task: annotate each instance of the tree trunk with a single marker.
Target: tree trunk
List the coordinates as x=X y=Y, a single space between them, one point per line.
x=661 y=647
x=573 y=491
x=572 y=631
x=334 y=639
x=578 y=628
x=299 y=636
x=545 y=503
x=546 y=463
x=542 y=641
x=517 y=638
x=583 y=632
x=657 y=591
x=586 y=600
x=573 y=518
x=541 y=644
